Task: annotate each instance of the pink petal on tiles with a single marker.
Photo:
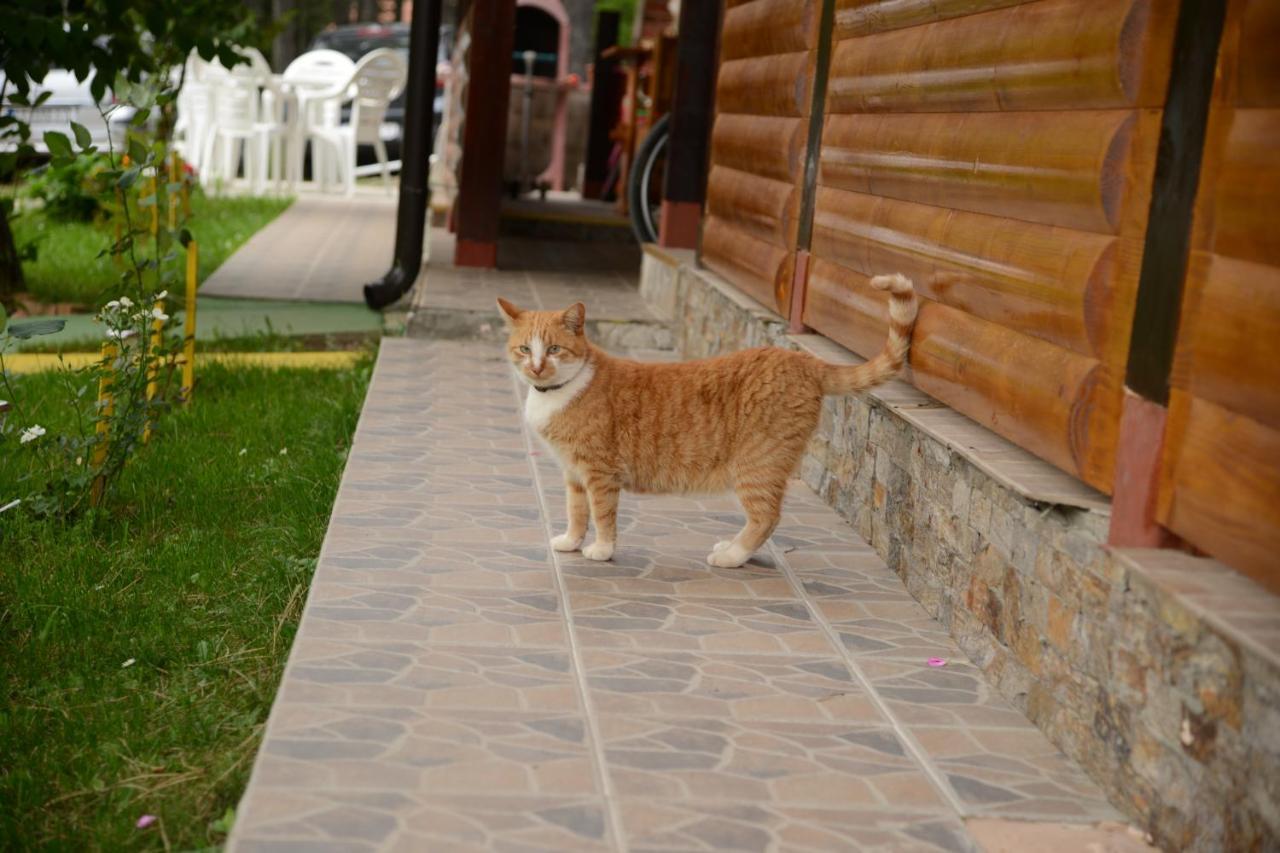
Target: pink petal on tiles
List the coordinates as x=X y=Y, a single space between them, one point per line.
x=936 y=662
x=145 y=821
x=535 y=452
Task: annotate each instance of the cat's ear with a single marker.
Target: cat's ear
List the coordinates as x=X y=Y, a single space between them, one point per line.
x=510 y=313
x=575 y=318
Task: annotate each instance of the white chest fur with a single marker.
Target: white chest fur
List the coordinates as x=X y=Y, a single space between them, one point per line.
x=541 y=406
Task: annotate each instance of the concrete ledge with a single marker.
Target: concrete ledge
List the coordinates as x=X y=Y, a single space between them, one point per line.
x=1127 y=661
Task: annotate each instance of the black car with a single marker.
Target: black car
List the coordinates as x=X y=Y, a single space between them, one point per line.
x=355 y=40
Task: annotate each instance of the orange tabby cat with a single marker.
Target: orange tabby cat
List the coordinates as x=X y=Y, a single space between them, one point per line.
x=740 y=421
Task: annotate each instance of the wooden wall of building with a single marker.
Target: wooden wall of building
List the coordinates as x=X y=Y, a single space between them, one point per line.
x=1220 y=485
x=1003 y=160
x=768 y=55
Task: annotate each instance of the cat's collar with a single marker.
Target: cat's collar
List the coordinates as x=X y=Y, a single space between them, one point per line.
x=545 y=388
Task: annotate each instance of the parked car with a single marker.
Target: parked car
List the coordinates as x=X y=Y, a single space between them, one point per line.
x=71 y=100
x=355 y=40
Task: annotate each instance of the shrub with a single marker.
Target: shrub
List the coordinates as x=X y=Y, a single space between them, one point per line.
x=71 y=191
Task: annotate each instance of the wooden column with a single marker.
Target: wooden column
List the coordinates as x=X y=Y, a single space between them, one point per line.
x=484 y=137
x=606 y=93
x=685 y=186
x=1164 y=270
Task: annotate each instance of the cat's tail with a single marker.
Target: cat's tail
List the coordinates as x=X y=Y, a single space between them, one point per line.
x=843 y=379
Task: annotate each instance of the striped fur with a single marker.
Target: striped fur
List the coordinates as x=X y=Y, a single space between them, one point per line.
x=740 y=421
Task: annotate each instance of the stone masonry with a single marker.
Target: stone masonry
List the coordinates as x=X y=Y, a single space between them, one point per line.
x=1155 y=670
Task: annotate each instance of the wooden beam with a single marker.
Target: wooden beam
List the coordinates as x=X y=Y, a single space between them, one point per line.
x=606 y=95
x=1173 y=194
x=484 y=137
x=684 y=187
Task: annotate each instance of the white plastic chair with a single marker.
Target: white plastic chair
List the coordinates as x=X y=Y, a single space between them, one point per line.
x=239 y=121
x=316 y=81
x=195 y=111
x=378 y=78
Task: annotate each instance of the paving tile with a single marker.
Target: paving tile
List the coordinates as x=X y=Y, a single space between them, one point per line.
x=667 y=571
x=429 y=751
x=832 y=765
x=694 y=825
x=735 y=687
x=407 y=561
x=416 y=675
x=342 y=611
x=660 y=622
x=279 y=820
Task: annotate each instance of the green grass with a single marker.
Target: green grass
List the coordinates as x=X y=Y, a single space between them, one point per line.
x=67 y=267
x=198 y=575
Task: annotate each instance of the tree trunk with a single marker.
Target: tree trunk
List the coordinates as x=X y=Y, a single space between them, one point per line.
x=11 y=280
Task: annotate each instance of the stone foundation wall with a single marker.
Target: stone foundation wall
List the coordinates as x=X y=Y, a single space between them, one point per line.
x=1174 y=713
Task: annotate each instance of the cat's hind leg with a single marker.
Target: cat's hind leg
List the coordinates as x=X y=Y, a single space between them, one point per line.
x=576 y=500
x=761 y=494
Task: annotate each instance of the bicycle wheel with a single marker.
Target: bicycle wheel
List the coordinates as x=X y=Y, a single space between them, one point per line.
x=644 y=184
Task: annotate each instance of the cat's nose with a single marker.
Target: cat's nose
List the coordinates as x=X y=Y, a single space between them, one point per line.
x=536 y=369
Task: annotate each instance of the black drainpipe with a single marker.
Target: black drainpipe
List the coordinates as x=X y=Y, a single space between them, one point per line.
x=411 y=218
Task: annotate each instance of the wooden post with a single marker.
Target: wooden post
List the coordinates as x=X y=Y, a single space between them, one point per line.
x=685 y=185
x=154 y=184
x=1154 y=332
x=106 y=407
x=153 y=365
x=484 y=137
x=170 y=201
x=189 y=325
x=606 y=94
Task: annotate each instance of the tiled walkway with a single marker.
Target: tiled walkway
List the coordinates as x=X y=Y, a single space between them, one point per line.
x=455 y=684
x=321 y=249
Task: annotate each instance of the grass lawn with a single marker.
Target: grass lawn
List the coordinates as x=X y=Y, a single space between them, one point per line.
x=67 y=267
x=139 y=656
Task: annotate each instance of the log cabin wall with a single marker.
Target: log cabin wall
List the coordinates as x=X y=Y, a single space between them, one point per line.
x=764 y=93
x=999 y=153
x=1220 y=480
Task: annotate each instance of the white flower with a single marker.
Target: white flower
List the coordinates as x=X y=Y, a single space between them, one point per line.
x=31 y=434
x=157 y=314
x=243 y=451
x=120 y=334
x=161 y=295
x=130 y=662
x=126 y=302
x=113 y=305
x=284 y=451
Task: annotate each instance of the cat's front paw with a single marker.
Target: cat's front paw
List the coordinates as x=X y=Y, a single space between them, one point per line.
x=729 y=557
x=600 y=551
x=565 y=542
x=721 y=545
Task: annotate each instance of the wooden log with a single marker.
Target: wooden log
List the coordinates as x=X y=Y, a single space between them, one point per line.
x=1220 y=485
x=762 y=207
x=1060 y=405
x=1228 y=349
x=1064 y=286
x=862 y=17
x=767 y=27
x=769 y=146
x=759 y=268
x=1056 y=54
x=777 y=85
x=1078 y=169
x=1246 y=189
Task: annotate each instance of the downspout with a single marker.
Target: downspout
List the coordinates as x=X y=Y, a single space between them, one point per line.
x=411 y=217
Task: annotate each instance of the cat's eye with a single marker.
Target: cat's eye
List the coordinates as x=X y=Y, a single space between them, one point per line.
x=525 y=350
x=553 y=349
